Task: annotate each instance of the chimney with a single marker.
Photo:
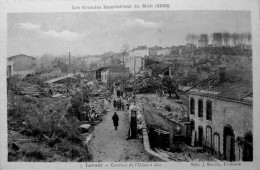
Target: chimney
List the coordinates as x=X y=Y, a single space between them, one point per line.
x=221 y=73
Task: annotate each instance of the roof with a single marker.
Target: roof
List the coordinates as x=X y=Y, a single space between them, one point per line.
x=59 y=78
x=141 y=48
x=117 y=69
x=21 y=55
x=236 y=85
x=99 y=69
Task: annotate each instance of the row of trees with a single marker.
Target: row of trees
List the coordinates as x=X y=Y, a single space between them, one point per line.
x=225 y=38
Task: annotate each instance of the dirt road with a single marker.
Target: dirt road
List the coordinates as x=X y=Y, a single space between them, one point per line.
x=109 y=145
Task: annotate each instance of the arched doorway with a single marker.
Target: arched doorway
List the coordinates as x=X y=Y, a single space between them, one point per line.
x=229 y=144
x=248 y=147
x=209 y=138
x=192 y=133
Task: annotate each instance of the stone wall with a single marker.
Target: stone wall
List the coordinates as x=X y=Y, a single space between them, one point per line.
x=238 y=116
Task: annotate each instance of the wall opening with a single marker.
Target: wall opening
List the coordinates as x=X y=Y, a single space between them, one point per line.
x=248 y=147
x=229 y=144
x=200 y=137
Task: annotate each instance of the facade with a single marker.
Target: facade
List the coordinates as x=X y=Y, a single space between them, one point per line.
x=135 y=64
x=221 y=115
x=106 y=74
x=140 y=51
x=163 y=51
x=21 y=64
x=92 y=59
x=217 y=40
x=203 y=41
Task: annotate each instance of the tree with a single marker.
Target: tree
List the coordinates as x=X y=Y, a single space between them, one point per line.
x=235 y=38
x=191 y=38
x=92 y=66
x=170 y=86
x=14 y=83
x=249 y=37
x=241 y=38
x=45 y=61
x=226 y=38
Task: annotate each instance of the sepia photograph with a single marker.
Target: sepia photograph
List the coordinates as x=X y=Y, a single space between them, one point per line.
x=130 y=86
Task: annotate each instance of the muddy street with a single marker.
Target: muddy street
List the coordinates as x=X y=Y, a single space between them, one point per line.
x=110 y=145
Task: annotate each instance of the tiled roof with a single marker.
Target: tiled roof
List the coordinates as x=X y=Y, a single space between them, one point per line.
x=21 y=55
x=236 y=85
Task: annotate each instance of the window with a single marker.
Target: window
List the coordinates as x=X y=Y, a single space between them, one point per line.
x=192 y=106
x=209 y=110
x=200 y=108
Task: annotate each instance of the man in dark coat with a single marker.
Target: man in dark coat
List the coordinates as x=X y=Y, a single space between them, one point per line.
x=115 y=119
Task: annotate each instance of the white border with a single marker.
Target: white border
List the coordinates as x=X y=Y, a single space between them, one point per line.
x=58 y=6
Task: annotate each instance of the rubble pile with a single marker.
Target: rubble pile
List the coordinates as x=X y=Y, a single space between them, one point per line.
x=178 y=157
x=34 y=90
x=172 y=110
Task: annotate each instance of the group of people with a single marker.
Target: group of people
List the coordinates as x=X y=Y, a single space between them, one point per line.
x=119 y=104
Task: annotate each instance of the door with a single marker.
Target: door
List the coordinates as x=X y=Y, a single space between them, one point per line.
x=208 y=137
x=188 y=134
x=228 y=147
x=200 y=136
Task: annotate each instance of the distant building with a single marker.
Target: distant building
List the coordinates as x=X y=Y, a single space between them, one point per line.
x=163 y=51
x=181 y=49
x=51 y=72
x=21 y=64
x=221 y=115
x=203 y=40
x=154 y=51
x=217 y=40
x=135 y=64
x=113 y=73
x=91 y=59
x=190 y=46
x=140 y=51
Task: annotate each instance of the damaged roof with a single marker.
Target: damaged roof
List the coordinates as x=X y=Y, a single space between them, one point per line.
x=232 y=84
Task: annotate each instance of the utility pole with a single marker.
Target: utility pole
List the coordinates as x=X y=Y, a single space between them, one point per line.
x=69 y=61
x=134 y=79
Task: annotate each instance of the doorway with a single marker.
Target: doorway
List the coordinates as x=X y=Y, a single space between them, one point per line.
x=200 y=142
x=229 y=144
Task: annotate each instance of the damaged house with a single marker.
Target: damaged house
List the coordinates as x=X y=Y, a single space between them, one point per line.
x=221 y=115
x=21 y=65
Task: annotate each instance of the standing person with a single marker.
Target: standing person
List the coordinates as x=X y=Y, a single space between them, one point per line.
x=117 y=104
x=115 y=119
x=123 y=105
x=120 y=104
x=114 y=103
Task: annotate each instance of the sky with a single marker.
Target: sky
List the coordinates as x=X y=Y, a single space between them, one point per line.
x=92 y=33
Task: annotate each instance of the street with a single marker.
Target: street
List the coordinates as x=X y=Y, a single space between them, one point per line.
x=109 y=145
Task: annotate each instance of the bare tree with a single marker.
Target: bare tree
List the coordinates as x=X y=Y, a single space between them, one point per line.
x=226 y=38
x=249 y=37
x=191 y=38
x=241 y=38
x=125 y=47
x=235 y=38
x=211 y=37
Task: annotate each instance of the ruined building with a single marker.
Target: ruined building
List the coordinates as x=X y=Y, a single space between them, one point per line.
x=203 y=40
x=21 y=64
x=221 y=115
